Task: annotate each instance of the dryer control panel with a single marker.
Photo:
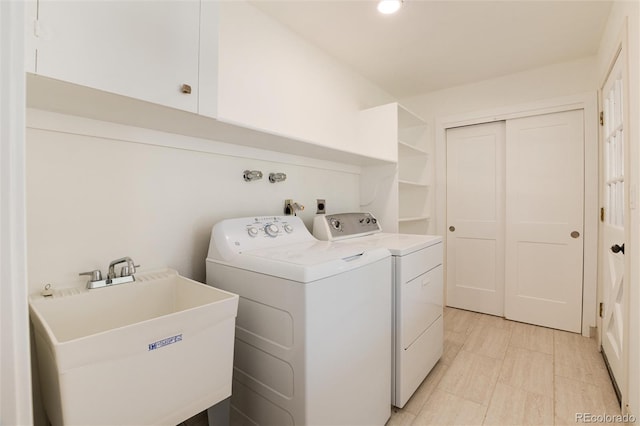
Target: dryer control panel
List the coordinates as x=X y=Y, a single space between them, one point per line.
x=333 y=227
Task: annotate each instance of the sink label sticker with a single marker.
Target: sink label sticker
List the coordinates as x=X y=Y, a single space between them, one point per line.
x=164 y=342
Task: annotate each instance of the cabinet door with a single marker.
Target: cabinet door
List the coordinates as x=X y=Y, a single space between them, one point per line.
x=141 y=49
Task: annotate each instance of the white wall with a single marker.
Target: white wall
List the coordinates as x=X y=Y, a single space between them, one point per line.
x=629 y=12
x=97 y=191
x=273 y=80
x=552 y=81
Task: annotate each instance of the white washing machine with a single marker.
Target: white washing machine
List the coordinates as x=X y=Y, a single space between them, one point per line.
x=312 y=333
x=417 y=322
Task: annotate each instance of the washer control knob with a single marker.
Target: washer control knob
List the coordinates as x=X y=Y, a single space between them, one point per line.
x=335 y=223
x=374 y=220
x=271 y=229
x=253 y=231
x=288 y=228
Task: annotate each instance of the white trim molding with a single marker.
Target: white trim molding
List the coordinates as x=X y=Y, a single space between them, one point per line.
x=587 y=102
x=15 y=358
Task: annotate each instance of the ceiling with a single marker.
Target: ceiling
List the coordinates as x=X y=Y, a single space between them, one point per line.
x=430 y=45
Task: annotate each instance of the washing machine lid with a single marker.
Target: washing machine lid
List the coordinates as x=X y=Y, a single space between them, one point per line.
x=398 y=244
x=308 y=261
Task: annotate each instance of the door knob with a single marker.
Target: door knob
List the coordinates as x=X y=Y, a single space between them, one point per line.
x=617 y=249
x=452 y=228
x=185 y=88
x=575 y=234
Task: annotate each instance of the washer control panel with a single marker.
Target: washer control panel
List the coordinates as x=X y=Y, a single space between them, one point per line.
x=249 y=233
x=344 y=225
x=269 y=226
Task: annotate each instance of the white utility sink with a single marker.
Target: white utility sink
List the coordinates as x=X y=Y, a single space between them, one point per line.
x=151 y=352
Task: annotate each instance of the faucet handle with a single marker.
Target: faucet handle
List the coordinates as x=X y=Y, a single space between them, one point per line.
x=96 y=275
x=127 y=270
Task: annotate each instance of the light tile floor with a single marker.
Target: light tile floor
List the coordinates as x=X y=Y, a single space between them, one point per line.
x=499 y=372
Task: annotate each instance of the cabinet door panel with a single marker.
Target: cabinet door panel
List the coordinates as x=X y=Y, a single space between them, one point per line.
x=421 y=305
x=141 y=49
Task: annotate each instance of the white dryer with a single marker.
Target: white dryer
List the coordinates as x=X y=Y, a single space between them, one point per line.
x=312 y=333
x=418 y=332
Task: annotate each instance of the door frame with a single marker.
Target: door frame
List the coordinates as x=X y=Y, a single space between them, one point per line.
x=15 y=360
x=588 y=102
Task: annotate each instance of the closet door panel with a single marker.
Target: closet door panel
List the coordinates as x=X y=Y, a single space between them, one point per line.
x=475 y=218
x=544 y=220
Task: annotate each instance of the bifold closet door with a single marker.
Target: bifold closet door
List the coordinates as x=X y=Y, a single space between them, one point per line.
x=475 y=218
x=544 y=220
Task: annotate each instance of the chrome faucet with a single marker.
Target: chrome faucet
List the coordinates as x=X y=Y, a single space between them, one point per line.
x=128 y=270
x=126 y=274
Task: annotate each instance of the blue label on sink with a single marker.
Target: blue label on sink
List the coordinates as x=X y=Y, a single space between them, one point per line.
x=164 y=342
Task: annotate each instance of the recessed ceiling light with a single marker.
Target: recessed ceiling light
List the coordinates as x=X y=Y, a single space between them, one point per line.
x=389 y=6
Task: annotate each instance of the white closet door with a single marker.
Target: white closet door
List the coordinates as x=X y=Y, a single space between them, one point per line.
x=475 y=218
x=544 y=220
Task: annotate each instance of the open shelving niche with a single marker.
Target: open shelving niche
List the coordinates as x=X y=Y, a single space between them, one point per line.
x=398 y=195
x=413 y=174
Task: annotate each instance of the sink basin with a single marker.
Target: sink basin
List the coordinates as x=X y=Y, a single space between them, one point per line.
x=154 y=351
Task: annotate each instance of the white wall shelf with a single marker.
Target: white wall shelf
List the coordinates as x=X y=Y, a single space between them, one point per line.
x=49 y=94
x=403 y=202
x=414 y=226
x=414 y=219
x=406 y=149
x=412 y=183
x=413 y=186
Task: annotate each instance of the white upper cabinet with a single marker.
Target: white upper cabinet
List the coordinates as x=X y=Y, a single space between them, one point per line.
x=264 y=86
x=147 y=50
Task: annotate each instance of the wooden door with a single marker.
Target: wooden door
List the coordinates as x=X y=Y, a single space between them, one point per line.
x=475 y=218
x=613 y=223
x=544 y=220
